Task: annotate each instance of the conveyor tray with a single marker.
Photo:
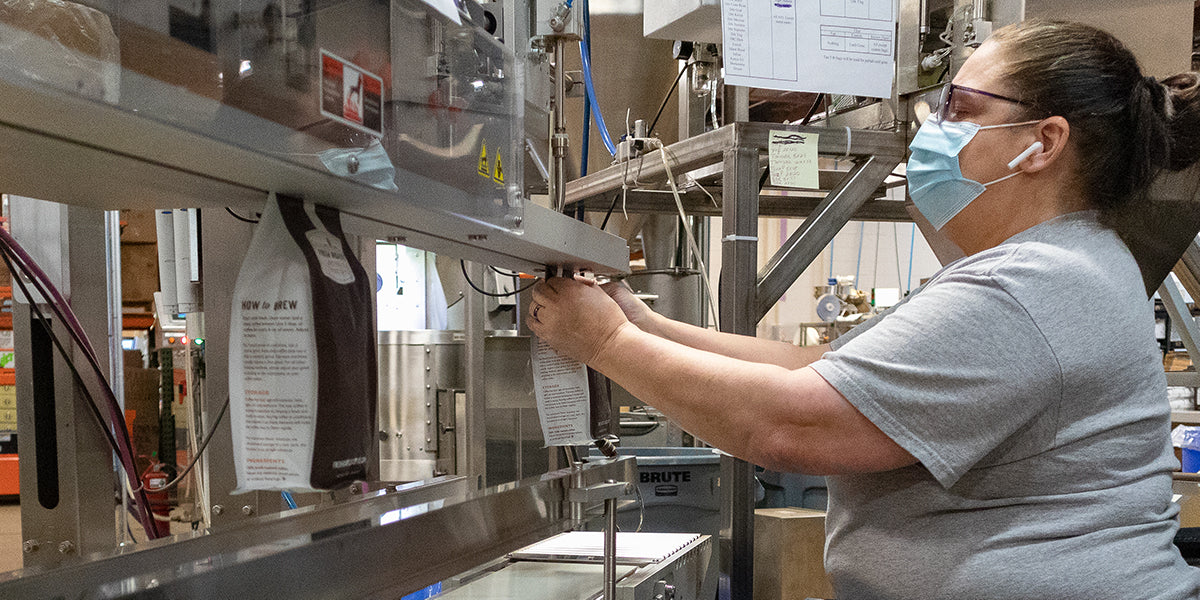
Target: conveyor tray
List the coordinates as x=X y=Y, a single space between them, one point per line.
x=537 y=581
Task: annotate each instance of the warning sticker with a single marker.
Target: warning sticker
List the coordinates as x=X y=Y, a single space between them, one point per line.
x=498 y=173
x=351 y=95
x=483 y=161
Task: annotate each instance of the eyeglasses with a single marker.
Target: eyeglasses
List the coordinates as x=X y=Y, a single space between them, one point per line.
x=956 y=102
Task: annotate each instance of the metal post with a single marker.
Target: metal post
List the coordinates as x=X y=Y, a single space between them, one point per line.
x=1188 y=269
x=610 y=548
x=738 y=309
x=475 y=412
x=66 y=466
x=558 y=138
x=116 y=355
x=819 y=228
x=1181 y=317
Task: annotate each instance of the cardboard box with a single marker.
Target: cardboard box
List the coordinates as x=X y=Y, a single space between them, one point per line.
x=139 y=273
x=137 y=227
x=789 y=554
x=141 y=412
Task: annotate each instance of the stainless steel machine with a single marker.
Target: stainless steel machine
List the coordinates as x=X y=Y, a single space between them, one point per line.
x=212 y=105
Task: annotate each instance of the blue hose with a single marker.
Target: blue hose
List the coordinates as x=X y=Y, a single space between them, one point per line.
x=587 y=106
x=861 y=230
x=911 y=242
x=586 y=57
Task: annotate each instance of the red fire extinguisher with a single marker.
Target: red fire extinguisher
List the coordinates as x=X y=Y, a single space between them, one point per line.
x=153 y=480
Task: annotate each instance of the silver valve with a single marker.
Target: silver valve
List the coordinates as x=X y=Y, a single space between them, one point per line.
x=561 y=14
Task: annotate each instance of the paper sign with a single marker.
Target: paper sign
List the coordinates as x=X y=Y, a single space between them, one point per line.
x=793 y=159
x=833 y=46
x=446 y=7
x=561 y=387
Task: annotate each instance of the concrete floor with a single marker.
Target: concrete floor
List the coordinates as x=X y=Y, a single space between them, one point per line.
x=10 y=535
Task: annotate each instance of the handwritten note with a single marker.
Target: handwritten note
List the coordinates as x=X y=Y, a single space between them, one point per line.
x=793 y=159
x=561 y=387
x=446 y=7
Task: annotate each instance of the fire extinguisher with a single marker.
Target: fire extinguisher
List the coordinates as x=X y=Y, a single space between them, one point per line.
x=155 y=478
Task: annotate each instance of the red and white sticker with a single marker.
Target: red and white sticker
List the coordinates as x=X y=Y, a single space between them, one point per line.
x=351 y=95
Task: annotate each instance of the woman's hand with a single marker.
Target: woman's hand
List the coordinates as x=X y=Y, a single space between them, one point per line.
x=575 y=316
x=635 y=310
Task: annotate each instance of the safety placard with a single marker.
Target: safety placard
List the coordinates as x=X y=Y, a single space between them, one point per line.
x=498 y=172
x=351 y=95
x=483 y=161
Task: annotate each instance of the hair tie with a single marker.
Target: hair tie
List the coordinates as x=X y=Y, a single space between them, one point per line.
x=1159 y=90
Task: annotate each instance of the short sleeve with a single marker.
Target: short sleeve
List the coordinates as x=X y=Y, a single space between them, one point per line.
x=951 y=374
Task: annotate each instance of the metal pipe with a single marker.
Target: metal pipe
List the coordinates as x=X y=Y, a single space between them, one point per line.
x=610 y=548
x=558 y=138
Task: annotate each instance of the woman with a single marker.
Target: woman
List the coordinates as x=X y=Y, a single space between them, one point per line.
x=1003 y=432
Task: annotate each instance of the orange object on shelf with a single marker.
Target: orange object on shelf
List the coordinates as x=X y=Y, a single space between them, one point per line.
x=10 y=480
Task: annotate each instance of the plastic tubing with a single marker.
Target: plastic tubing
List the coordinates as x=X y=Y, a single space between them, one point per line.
x=912 y=241
x=587 y=106
x=62 y=309
x=586 y=57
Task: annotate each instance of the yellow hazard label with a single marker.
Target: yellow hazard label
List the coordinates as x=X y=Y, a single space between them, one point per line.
x=483 y=161
x=498 y=173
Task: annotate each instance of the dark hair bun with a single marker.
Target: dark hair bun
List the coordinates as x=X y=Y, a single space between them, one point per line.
x=1183 y=119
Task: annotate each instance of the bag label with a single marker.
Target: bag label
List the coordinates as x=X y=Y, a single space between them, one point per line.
x=330 y=256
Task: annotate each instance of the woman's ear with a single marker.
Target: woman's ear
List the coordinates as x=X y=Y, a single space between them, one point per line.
x=1052 y=133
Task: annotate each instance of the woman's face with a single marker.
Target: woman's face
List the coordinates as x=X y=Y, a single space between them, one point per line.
x=986 y=157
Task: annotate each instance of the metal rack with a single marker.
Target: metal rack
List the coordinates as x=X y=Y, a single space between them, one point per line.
x=362 y=548
x=747 y=294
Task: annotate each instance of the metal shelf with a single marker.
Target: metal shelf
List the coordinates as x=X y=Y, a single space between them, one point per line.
x=64 y=148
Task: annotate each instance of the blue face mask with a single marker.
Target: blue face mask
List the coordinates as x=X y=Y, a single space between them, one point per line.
x=935 y=181
x=369 y=165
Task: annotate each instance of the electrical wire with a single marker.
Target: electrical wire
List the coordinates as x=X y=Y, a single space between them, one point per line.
x=463 y=265
x=504 y=273
x=62 y=310
x=687 y=67
x=585 y=55
x=712 y=299
x=122 y=446
x=240 y=217
x=44 y=322
x=611 y=208
x=199 y=451
x=812 y=110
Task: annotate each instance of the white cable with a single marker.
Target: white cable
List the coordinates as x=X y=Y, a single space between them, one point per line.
x=712 y=299
x=896 y=243
x=625 y=189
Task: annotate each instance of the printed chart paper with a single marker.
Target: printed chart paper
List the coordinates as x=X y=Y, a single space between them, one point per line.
x=833 y=46
x=561 y=387
x=793 y=159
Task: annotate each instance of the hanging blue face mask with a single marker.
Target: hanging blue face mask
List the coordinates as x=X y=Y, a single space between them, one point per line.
x=935 y=181
x=369 y=165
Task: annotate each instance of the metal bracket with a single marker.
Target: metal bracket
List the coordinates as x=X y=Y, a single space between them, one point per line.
x=1181 y=317
x=611 y=490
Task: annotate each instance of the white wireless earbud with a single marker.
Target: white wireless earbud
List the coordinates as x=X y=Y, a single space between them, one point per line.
x=1034 y=147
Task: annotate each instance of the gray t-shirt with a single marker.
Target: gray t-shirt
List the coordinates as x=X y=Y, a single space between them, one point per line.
x=1027 y=382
